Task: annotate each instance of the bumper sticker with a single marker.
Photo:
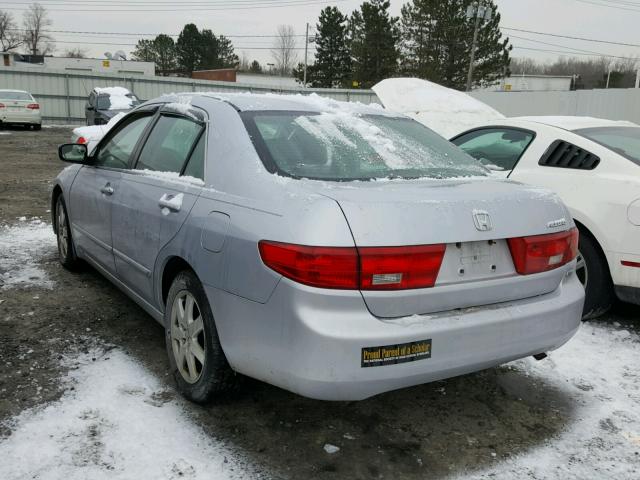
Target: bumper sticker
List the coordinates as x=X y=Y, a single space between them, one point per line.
x=394 y=354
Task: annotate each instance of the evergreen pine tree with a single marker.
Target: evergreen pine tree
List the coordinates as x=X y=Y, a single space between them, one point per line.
x=332 y=67
x=437 y=38
x=374 y=36
x=189 y=49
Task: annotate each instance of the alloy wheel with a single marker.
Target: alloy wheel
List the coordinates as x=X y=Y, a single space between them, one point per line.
x=63 y=232
x=187 y=336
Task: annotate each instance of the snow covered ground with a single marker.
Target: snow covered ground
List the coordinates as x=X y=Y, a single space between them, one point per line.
x=22 y=246
x=116 y=423
x=599 y=370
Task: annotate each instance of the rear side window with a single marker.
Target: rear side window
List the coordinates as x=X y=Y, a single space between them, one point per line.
x=561 y=154
x=195 y=166
x=498 y=148
x=169 y=144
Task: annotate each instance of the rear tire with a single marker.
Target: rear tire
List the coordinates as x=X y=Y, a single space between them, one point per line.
x=37 y=127
x=66 y=249
x=593 y=272
x=196 y=358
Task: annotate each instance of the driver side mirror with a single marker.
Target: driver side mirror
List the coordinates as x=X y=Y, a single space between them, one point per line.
x=73 y=153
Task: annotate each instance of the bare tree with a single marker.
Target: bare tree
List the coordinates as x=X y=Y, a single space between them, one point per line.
x=36 y=38
x=284 y=49
x=10 y=38
x=75 y=53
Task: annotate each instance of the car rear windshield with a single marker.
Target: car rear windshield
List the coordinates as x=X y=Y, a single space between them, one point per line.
x=15 y=96
x=344 y=146
x=622 y=140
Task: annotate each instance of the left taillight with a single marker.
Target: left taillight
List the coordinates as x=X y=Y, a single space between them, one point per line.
x=540 y=253
x=2 y=105
x=351 y=268
x=81 y=140
x=33 y=106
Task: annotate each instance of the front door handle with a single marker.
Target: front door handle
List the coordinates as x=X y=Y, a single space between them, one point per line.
x=107 y=189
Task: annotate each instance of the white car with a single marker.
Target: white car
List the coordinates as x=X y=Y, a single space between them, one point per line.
x=594 y=166
x=18 y=107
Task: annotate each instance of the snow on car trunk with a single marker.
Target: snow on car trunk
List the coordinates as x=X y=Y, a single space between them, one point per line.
x=599 y=372
x=116 y=422
x=23 y=245
x=442 y=109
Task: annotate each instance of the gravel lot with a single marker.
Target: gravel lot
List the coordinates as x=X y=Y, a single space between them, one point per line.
x=84 y=385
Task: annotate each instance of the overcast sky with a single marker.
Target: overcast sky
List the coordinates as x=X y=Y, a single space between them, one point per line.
x=613 y=20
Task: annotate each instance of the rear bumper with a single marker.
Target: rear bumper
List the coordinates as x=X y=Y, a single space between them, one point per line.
x=21 y=117
x=310 y=341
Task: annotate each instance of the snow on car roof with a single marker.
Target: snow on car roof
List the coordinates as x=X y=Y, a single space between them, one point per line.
x=576 y=122
x=273 y=101
x=442 y=109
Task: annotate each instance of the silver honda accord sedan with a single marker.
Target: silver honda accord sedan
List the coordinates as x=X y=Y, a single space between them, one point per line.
x=332 y=249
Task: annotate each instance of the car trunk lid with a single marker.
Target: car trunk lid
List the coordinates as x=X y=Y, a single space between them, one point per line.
x=473 y=218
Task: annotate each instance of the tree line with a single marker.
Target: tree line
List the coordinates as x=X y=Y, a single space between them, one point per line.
x=432 y=39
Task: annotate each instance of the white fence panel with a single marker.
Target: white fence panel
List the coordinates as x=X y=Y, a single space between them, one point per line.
x=62 y=95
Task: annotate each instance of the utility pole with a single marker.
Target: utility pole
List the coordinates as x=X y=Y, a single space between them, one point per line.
x=480 y=12
x=306 y=54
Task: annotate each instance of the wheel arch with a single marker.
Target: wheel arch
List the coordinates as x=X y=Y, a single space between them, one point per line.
x=584 y=230
x=55 y=194
x=172 y=267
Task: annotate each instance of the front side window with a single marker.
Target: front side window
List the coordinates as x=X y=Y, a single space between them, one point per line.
x=169 y=144
x=344 y=146
x=498 y=149
x=117 y=151
x=624 y=141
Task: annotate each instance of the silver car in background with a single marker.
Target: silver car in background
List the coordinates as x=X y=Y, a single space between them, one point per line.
x=334 y=250
x=18 y=107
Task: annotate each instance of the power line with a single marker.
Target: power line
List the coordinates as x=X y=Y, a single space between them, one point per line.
x=578 y=50
x=123 y=34
x=571 y=37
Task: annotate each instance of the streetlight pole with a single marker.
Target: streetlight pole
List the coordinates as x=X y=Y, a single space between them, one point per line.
x=306 y=54
x=479 y=14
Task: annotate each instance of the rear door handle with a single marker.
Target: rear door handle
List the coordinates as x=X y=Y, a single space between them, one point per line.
x=171 y=202
x=107 y=189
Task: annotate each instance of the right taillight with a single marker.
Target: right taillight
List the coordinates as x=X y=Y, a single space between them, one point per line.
x=540 y=253
x=351 y=268
x=81 y=140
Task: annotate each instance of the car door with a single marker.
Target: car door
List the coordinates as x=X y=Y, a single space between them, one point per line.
x=95 y=187
x=497 y=148
x=154 y=199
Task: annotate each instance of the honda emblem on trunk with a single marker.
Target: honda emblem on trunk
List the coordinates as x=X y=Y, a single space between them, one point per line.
x=482 y=220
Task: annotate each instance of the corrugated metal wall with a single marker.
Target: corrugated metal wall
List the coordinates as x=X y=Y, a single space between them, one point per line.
x=613 y=103
x=62 y=95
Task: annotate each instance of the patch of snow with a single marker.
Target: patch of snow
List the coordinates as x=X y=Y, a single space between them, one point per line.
x=173 y=177
x=22 y=246
x=119 y=97
x=331 y=449
x=599 y=371
x=117 y=423
x=444 y=110
x=5 y=133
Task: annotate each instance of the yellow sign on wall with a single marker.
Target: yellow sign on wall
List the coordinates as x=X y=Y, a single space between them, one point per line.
x=106 y=63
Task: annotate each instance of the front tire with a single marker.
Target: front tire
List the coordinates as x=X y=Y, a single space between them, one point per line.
x=37 y=127
x=593 y=272
x=66 y=250
x=198 y=364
